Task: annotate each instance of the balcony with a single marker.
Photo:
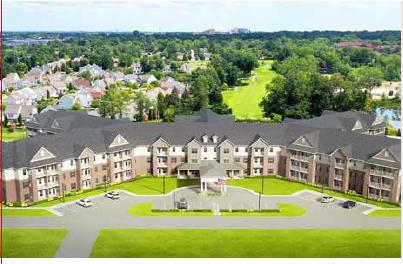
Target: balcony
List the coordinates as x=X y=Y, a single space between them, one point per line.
x=374 y=184
x=85 y=177
x=162 y=153
x=375 y=196
x=84 y=165
x=340 y=165
x=386 y=198
x=387 y=187
x=42 y=186
x=258 y=165
x=53 y=184
x=304 y=158
x=258 y=153
x=381 y=173
x=294 y=167
x=162 y=164
x=302 y=169
x=338 y=177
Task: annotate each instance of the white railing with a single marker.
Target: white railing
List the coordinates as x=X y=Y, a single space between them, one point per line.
x=374 y=184
x=381 y=173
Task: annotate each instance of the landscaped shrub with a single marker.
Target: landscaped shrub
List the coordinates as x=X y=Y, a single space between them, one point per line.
x=174 y=210
x=10 y=204
x=224 y=211
x=10 y=129
x=157 y=210
x=239 y=210
x=203 y=210
x=269 y=211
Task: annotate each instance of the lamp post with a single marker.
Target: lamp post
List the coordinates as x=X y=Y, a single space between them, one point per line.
x=163 y=183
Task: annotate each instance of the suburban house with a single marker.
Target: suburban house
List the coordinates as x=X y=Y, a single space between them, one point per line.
x=60 y=87
x=10 y=80
x=94 y=70
x=35 y=73
x=83 y=97
x=148 y=79
x=81 y=84
x=65 y=102
x=24 y=96
x=136 y=67
x=86 y=150
x=14 y=110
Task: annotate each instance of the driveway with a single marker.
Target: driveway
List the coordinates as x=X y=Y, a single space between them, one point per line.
x=84 y=224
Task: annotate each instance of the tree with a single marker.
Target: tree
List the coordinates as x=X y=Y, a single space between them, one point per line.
x=169 y=114
x=367 y=77
x=5 y=121
x=76 y=106
x=86 y=75
x=143 y=105
x=174 y=98
x=20 y=119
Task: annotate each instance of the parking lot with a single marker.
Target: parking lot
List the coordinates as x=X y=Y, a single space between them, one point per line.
x=84 y=224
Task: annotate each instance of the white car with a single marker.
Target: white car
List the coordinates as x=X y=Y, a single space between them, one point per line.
x=112 y=195
x=327 y=199
x=84 y=202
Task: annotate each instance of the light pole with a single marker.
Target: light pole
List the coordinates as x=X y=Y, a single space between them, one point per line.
x=163 y=183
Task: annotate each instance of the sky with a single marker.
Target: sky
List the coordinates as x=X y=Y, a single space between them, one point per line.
x=192 y=16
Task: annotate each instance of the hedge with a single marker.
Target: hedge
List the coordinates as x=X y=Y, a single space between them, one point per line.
x=203 y=210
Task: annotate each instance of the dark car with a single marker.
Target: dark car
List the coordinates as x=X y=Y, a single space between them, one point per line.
x=182 y=204
x=349 y=204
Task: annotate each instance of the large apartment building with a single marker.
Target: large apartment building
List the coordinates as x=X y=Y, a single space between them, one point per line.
x=197 y=146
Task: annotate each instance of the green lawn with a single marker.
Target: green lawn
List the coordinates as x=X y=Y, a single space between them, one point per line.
x=198 y=63
x=26 y=212
x=11 y=136
x=144 y=209
x=274 y=186
x=148 y=186
x=235 y=243
x=31 y=243
x=386 y=213
x=245 y=101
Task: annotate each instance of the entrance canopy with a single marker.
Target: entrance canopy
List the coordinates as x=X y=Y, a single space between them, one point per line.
x=210 y=171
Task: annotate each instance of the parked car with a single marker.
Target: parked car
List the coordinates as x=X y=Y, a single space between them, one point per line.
x=182 y=204
x=327 y=199
x=112 y=195
x=349 y=204
x=84 y=202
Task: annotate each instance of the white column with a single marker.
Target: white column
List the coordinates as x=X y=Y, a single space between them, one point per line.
x=221 y=188
x=201 y=187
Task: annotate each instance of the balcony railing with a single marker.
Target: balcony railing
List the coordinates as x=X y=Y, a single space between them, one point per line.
x=386 y=187
x=258 y=153
x=42 y=186
x=374 y=184
x=53 y=184
x=258 y=165
x=338 y=177
x=162 y=164
x=304 y=158
x=162 y=153
x=340 y=165
x=381 y=173
x=294 y=167
x=303 y=169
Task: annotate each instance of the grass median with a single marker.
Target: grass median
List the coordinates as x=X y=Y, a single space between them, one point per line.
x=220 y=243
x=386 y=213
x=26 y=212
x=31 y=243
x=145 y=209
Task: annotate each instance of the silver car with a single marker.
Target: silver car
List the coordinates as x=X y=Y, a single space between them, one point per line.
x=84 y=202
x=327 y=199
x=112 y=195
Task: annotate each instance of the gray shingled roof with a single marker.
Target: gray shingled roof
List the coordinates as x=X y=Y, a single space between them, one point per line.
x=98 y=138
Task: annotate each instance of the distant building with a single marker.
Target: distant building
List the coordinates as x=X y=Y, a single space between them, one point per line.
x=240 y=31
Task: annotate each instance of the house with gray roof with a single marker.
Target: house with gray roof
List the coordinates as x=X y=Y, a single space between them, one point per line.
x=78 y=151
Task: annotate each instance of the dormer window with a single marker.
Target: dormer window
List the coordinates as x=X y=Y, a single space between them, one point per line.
x=303 y=140
x=205 y=139
x=42 y=153
x=215 y=139
x=386 y=154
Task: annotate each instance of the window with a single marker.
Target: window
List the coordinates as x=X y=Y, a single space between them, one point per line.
x=73 y=186
x=226 y=151
x=194 y=150
x=103 y=156
x=271 y=150
x=205 y=138
x=236 y=149
x=116 y=165
x=116 y=175
x=173 y=149
x=226 y=161
x=183 y=160
x=40 y=193
x=24 y=172
x=71 y=162
x=173 y=160
x=215 y=139
x=205 y=149
x=149 y=149
x=38 y=170
x=40 y=181
x=183 y=149
x=270 y=160
x=104 y=167
x=194 y=160
x=148 y=170
x=270 y=171
x=24 y=184
x=72 y=174
x=237 y=160
x=245 y=160
x=26 y=197
x=148 y=159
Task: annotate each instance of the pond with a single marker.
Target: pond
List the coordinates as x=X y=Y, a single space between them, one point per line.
x=392 y=115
